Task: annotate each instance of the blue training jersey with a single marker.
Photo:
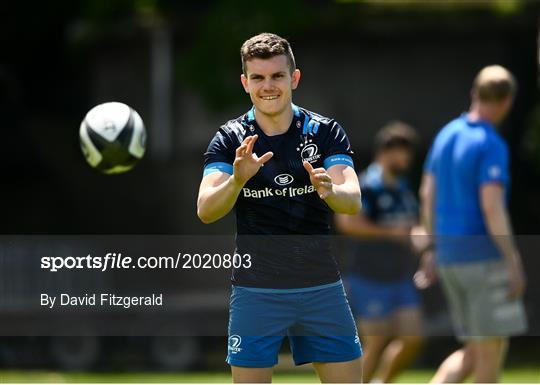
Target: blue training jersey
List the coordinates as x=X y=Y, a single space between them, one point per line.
x=281 y=221
x=464 y=156
x=385 y=205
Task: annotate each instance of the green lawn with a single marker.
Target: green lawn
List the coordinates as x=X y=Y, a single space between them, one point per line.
x=524 y=375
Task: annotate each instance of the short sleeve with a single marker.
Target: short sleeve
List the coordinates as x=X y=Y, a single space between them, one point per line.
x=368 y=202
x=219 y=155
x=337 y=148
x=494 y=163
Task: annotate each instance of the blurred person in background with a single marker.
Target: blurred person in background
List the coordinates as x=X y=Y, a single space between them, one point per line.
x=380 y=287
x=464 y=192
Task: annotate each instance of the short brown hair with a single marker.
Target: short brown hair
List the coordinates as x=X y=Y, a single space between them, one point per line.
x=493 y=84
x=396 y=134
x=265 y=46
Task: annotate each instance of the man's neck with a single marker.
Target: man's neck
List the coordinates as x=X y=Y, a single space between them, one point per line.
x=388 y=177
x=277 y=124
x=478 y=113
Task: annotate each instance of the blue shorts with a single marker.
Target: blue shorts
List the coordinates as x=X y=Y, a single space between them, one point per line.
x=379 y=299
x=317 y=321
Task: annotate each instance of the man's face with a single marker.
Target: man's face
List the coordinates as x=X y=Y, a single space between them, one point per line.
x=497 y=111
x=269 y=83
x=399 y=160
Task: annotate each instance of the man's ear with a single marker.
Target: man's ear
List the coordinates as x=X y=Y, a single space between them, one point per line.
x=295 y=78
x=508 y=101
x=244 y=81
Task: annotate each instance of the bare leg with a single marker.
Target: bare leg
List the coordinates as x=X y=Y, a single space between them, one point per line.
x=490 y=354
x=398 y=355
x=251 y=375
x=403 y=349
x=456 y=368
x=339 y=372
x=375 y=336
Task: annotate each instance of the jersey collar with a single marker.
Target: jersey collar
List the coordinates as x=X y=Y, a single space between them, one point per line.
x=374 y=175
x=297 y=121
x=480 y=122
x=251 y=113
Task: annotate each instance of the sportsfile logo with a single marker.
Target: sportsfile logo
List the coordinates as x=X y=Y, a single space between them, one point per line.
x=234 y=344
x=278 y=192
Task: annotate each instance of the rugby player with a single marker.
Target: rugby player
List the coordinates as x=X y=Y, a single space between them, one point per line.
x=283 y=169
x=463 y=192
x=380 y=284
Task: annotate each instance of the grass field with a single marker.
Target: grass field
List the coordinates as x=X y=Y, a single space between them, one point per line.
x=523 y=375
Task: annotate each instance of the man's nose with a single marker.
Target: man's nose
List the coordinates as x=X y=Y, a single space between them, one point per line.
x=268 y=84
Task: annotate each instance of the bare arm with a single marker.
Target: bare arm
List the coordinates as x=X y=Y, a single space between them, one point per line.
x=426 y=275
x=361 y=226
x=427 y=199
x=217 y=195
x=500 y=229
x=218 y=191
x=338 y=186
x=497 y=220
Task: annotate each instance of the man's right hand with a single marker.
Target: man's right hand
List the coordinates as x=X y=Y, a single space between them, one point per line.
x=246 y=164
x=426 y=275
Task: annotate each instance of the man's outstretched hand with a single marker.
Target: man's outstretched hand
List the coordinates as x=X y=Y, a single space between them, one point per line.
x=320 y=180
x=246 y=164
